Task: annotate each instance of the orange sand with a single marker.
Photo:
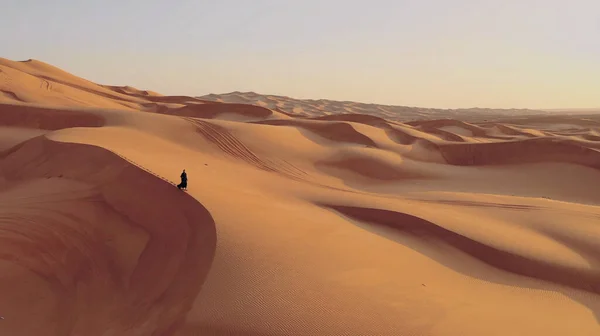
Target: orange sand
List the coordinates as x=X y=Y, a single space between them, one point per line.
x=371 y=222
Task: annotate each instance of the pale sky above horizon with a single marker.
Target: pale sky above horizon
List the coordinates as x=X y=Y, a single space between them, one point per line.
x=427 y=53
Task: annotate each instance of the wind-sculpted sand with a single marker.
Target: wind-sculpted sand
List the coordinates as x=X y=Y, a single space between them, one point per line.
x=311 y=108
x=300 y=218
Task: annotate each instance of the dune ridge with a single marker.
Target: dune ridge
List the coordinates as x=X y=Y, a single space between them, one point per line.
x=39 y=117
x=320 y=107
x=339 y=132
x=524 y=151
x=234 y=147
x=587 y=280
x=94 y=285
x=301 y=216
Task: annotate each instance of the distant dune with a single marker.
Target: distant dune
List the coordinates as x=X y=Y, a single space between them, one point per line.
x=575 y=110
x=316 y=108
x=302 y=217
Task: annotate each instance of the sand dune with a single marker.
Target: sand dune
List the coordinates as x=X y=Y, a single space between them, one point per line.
x=240 y=112
x=318 y=108
x=128 y=90
x=302 y=217
x=44 y=118
x=525 y=151
x=91 y=227
x=582 y=278
x=337 y=132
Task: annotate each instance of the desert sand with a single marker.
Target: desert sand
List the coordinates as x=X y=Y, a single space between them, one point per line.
x=356 y=220
x=325 y=107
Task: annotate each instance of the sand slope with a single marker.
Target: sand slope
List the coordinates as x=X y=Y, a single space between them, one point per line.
x=294 y=223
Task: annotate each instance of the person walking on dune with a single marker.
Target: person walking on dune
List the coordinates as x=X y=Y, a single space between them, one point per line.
x=183 y=184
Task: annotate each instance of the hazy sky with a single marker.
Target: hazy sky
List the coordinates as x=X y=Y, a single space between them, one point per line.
x=430 y=53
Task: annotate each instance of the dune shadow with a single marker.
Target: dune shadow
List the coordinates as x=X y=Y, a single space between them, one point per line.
x=425 y=235
x=521 y=151
x=11 y=95
x=212 y=110
x=316 y=131
x=152 y=294
x=46 y=118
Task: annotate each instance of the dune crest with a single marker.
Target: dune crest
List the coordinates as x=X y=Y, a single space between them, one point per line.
x=301 y=217
x=318 y=108
x=587 y=280
x=97 y=266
